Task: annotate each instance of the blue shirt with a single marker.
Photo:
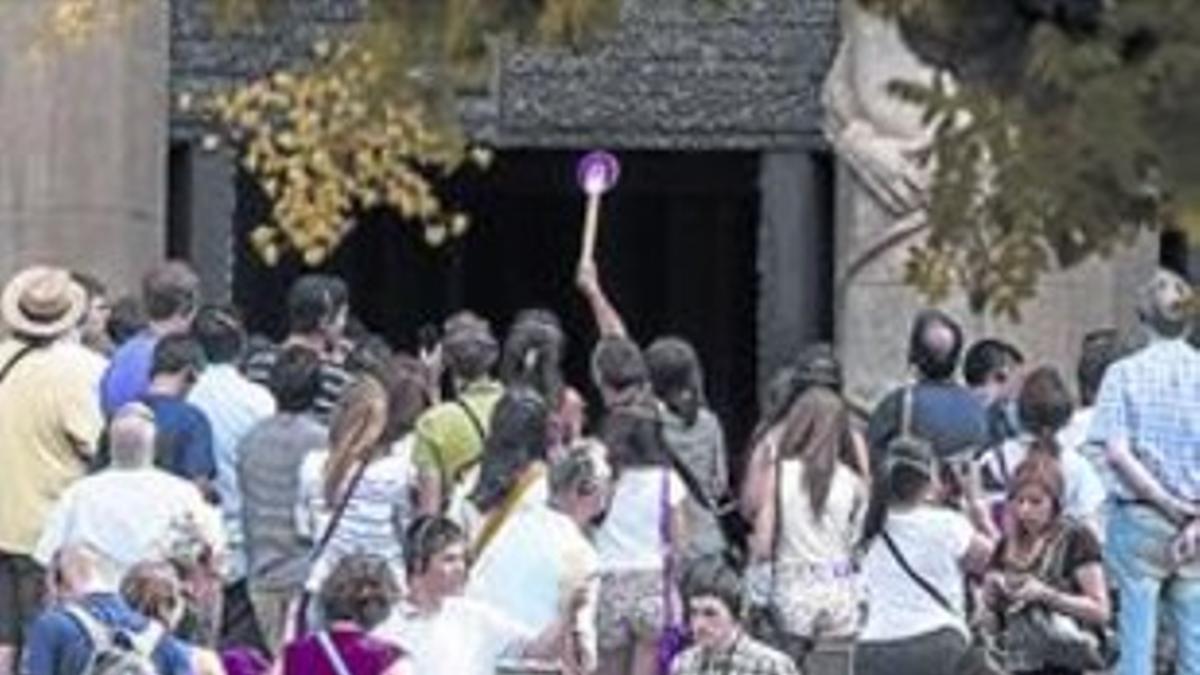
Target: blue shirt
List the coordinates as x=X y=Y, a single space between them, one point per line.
x=185 y=438
x=943 y=413
x=1152 y=400
x=128 y=373
x=57 y=644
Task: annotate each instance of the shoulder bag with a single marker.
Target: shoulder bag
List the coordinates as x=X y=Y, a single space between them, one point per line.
x=1056 y=638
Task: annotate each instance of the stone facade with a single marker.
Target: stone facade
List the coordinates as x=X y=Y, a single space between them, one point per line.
x=83 y=133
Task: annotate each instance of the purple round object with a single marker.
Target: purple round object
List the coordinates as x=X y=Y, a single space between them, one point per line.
x=598 y=172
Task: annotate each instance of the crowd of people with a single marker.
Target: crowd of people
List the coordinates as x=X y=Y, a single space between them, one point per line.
x=180 y=497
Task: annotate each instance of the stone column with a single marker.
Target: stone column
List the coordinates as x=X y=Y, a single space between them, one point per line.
x=83 y=138
x=793 y=265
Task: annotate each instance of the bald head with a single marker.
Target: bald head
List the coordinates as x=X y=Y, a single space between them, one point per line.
x=131 y=437
x=935 y=344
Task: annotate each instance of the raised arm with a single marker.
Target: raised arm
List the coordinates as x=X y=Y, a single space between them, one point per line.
x=608 y=320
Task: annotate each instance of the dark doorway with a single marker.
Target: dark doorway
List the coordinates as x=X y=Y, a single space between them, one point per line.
x=677 y=252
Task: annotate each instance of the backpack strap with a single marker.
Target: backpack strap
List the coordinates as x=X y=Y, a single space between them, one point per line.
x=332 y=654
x=476 y=423
x=100 y=634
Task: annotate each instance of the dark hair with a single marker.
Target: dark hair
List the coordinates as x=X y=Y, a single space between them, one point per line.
x=617 y=363
x=370 y=356
x=533 y=353
x=361 y=589
x=676 y=376
x=426 y=537
x=1098 y=351
x=125 y=320
x=711 y=576
x=296 y=379
x=815 y=365
x=469 y=347
x=407 y=381
x=817 y=432
x=989 y=357
x=1044 y=406
x=170 y=289
x=935 y=357
x=314 y=300
x=907 y=471
x=90 y=283
x=220 y=332
x=176 y=353
x=633 y=435
x=516 y=438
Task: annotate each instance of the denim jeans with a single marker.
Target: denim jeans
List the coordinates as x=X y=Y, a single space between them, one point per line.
x=1136 y=551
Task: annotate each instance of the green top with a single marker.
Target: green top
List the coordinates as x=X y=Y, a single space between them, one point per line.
x=448 y=441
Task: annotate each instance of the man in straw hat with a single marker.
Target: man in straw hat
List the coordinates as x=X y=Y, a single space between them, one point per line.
x=49 y=423
x=1148 y=418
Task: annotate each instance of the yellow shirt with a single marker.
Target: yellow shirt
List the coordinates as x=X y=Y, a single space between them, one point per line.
x=447 y=439
x=49 y=414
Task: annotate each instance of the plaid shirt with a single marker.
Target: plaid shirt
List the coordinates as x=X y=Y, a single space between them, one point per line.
x=1153 y=399
x=748 y=657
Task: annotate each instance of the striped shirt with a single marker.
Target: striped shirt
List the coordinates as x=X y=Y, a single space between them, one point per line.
x=376 y=516
x=334 y=379
x=1152 y=399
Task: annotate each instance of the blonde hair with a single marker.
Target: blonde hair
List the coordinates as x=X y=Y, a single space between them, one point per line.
x=355 y=434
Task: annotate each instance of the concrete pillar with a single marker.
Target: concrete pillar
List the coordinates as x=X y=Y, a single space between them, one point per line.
x=83 y=134
x=793 y=258
x=210 y=203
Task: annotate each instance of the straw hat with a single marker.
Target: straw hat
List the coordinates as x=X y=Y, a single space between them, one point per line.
x=42 y=302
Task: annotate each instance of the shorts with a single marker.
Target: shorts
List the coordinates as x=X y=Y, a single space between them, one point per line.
x=630 y=608
x=22 y=590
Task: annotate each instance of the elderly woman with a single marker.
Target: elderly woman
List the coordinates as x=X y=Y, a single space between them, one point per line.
x=1044 y=562
x=357 y=596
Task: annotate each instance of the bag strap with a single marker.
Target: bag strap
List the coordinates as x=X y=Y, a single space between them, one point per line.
x=331 y=653
x=476 y=423
x=906 y=411
x=912 y=574
x=491 y=527
x=101 y=635
x=339 y=511
x=664 y=532
x=15 y=359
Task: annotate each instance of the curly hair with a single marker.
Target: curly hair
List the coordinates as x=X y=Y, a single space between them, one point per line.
x=361 y=589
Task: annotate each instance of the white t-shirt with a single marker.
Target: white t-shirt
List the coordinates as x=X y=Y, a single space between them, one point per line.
x=933 y=540
x=375 y=518
x=464 y=638
x=129 y=516
x=631 y=536
x=537 y=557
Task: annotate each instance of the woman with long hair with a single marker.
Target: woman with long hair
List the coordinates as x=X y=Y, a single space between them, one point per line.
x=917 y=554
x=368 y=466
x=532 y=357
x=1044 y=408
x=808 y=518
x=1044 y=560
x=513 y=470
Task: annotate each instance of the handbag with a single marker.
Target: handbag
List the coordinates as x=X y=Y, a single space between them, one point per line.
x=766 y=621
x=1053 y=637
x=674 y=636
x=979 y=656
x=734 y=527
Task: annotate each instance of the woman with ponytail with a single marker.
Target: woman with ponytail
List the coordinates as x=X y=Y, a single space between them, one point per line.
x=369 y=467
x=532 y=358
x=915 y=561
x=1044 y=408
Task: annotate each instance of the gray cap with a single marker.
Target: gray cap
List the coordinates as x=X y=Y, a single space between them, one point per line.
x=1165 y=300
